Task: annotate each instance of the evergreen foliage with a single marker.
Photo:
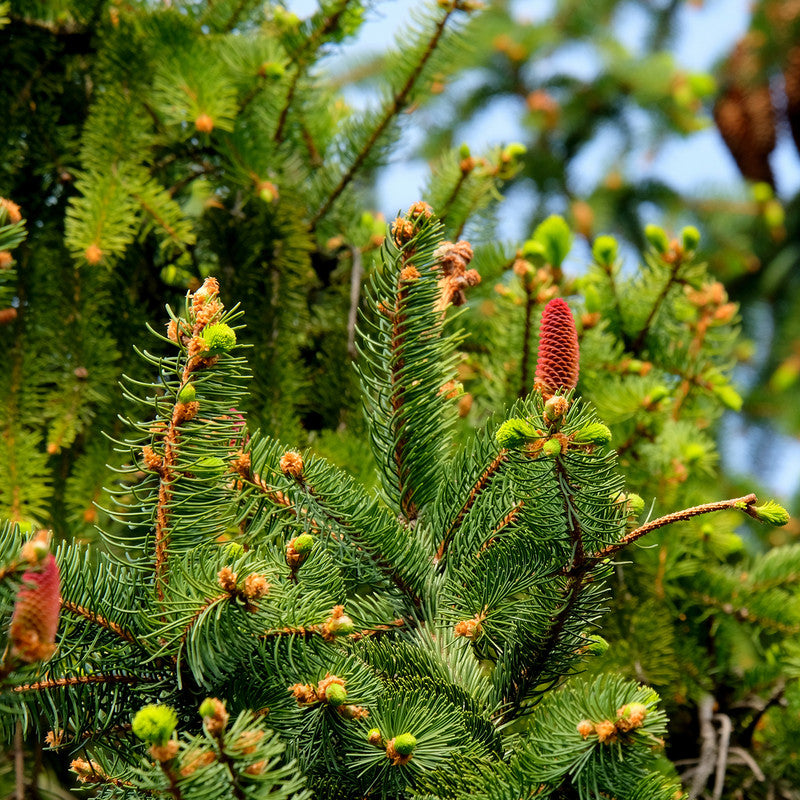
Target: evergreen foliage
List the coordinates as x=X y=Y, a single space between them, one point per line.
x=418 y=642
x=409 y=604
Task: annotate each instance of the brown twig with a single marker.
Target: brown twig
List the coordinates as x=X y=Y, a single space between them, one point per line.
x=91 y=616
x=741 y=503
x=77 y=680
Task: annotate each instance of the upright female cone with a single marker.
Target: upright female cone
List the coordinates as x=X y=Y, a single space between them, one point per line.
x=558 y=362
x=35 y=620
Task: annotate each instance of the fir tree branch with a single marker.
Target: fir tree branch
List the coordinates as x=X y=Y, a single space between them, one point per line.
x=91 y=616
x=504 y=522
x=302 y=60
x=742 y=503
x=673 y=274
x=480 y=485
x=397 y=104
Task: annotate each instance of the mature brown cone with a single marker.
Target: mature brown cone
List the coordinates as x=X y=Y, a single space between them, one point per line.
x=558 y=362
x=791 y=77
x=745 y=115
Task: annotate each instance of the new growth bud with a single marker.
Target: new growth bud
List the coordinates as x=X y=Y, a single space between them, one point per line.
x=218 y=339
x=154 y=724
x=515 y=433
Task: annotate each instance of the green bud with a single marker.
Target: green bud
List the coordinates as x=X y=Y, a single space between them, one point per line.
x=555 y=409
x=513 y=150
x=658 y=393
x=771 y=513
x=303 y=544
x=595 y=645
x=534 y=251
x=219 y=338
x=234 y=549
x=405 y=743
x=762 y=192
x=187 y=394
x=208 y=708
x=702 y=84
x=774 y=215
x=271 y=69
x=729 y=396
x=555 y=235
x=552 y=447
x=209 y=467
x=336 y=694
x=657 y=238
x=605 y=250
x=635 y=504
x=690 y=237
x=154 y=724
x=463 y=151
x=593 y=433
x=515 y=433
x=341 y=626
x=693 y=452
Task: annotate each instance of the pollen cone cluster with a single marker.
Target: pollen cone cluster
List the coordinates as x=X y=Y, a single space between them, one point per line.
x=35 y=620
x=557 y=365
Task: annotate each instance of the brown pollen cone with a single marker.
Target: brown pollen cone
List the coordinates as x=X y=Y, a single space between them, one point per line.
x=559 y=360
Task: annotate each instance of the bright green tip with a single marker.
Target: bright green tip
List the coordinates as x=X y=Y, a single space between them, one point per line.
x=593 y=433
x=336 y=694
x=219 y=338
x=187 y=394
x=515 y=433
x=657 y=238
x=595 y=645
x=605 y=250
x=552 y=447
x=690 y=238
x=208 y=708
x=303 y=543
x=405 y=743
x=154 y=724
x=771 y=512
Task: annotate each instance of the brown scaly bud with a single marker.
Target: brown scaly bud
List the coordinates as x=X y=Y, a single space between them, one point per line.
x=152 y=460
x=87 y=771
x=291 y=463
x=469 y=628
x=226 y=578
x=585 y=728
x=352 y=712
x=93 y=254
x=209 y=290
x=35 y=620
x=631 y=716
x=241 y=464
x=246 y=744
x=6 y=259
x=402 y=231
x=606 y=731
x=214 y=714
x=7 y=315
x=209 y=311
x=54 y=738
x=12 y=210
x=554 y=410
x=204 y=123
x=186 y=411
x=420 y=209
x=558 y=361
x=165 y=752
x=304 y=693
x=338 y=624
x=198 y=761
x=255 y=586
x=409 y=273
x=452 y=260
x=256 y=768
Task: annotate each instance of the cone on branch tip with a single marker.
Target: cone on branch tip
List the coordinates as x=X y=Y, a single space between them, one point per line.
x=558 y=361
x=35 y=620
